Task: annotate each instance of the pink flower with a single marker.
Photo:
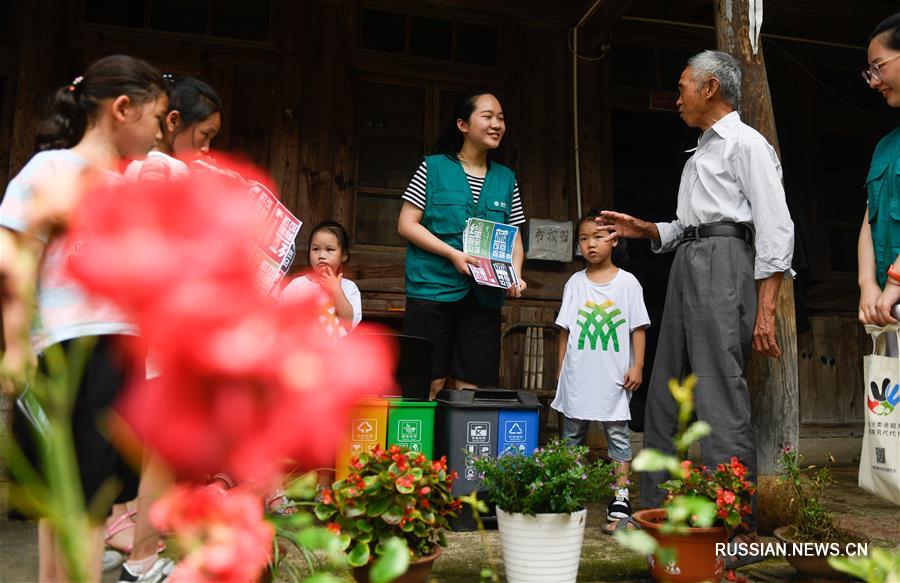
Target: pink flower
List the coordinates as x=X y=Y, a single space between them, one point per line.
x=226 y=538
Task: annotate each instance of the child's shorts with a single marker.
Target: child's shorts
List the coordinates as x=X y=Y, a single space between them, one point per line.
x=618 y=441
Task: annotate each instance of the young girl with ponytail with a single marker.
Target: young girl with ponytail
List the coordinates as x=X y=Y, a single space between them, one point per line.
x=110 y=113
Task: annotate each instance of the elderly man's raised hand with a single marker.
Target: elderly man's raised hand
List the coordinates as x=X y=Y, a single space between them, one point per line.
x=626 y=225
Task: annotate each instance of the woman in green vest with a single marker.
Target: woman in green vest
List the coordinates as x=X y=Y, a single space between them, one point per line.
x=443 y=303
x=879 y=238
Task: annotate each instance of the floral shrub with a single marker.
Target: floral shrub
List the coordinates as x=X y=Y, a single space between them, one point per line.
x=726 y=486
x=391 y=493
x=557 y=478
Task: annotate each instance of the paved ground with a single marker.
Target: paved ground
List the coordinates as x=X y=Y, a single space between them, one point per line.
x=602 y=559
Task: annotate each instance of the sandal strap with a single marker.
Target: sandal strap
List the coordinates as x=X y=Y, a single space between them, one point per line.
x=123 y=522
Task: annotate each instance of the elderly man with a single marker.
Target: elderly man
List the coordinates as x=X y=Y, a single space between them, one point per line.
x=732 y=227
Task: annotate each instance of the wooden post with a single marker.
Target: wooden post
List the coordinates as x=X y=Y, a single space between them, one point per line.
x=774 y=388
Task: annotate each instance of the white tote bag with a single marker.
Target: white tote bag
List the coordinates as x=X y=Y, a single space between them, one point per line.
x=879 y=463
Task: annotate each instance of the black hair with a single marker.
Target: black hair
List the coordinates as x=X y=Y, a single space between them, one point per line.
x=619 y=252
x=74 y=106
x=193 y=99
x=450 y=140
x=891 y=26
x=336 y=229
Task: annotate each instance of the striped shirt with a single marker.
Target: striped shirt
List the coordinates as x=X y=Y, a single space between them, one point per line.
x=415 y=193
x=734 y=175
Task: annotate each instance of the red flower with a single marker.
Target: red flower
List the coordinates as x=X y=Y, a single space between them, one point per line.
x=135 y=247
x=424 y=491
x=405 y=482
x=334 y=526
x=728 y=496
x=226 y=537
x=327 y=497
x=247 y=383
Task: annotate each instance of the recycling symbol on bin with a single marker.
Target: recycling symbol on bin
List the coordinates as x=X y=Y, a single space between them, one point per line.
x=515 y=431
x=364 y=429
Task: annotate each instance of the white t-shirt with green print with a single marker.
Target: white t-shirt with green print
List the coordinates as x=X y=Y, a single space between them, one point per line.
x=600 y=318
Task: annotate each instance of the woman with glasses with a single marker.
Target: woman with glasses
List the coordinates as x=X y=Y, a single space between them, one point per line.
x=879 y=238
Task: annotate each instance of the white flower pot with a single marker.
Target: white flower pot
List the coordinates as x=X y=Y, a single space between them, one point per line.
x=541 y=548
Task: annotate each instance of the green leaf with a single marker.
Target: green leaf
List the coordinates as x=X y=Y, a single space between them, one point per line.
x=393 y=562
x=378 y=506
x=393 y=515
x=358 y=509
x=318 y=539
x=363 y=525
x=372 y=484
x=636 y=540
x=696 y=430
x=358 y=555
x=324 y=512
x=405 y=489
x=344 y=541
x=323 y=578
x=651 y=460
x=303 y=488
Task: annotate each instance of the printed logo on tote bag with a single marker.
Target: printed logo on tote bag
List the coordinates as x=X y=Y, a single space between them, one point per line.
x=885 y=399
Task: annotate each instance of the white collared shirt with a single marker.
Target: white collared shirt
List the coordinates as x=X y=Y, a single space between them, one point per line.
x=734 y=175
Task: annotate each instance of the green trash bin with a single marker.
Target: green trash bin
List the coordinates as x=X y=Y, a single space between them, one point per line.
x=411 y=424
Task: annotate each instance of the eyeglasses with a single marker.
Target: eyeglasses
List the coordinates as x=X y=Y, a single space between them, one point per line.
x=874 y=71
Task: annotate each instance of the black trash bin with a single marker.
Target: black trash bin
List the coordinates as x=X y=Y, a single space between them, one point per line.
x=482 y=422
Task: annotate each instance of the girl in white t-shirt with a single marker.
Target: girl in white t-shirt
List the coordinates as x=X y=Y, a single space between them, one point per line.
x=338 y=297
x=112 y=111
x=601 y=353
x=193 y=119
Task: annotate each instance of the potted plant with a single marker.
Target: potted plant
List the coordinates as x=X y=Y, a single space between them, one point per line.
x=702 y=506
x=541 y=507
x=391 y=494
x=812 y=522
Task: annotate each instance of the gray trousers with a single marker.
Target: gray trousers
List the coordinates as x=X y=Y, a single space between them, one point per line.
x=706 y=329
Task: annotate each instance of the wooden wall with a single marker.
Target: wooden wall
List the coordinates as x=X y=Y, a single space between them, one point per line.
x=292 y=105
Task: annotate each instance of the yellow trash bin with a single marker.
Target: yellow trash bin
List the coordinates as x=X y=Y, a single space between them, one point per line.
x=367 y=428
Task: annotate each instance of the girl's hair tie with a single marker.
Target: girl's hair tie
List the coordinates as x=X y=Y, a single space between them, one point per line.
x=75 y=82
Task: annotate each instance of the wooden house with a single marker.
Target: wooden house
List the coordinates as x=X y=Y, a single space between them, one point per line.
x=339 y=99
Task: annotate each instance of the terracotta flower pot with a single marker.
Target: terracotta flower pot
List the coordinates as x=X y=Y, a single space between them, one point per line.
x=418 y=571
x=814 y=567
x=695 y=552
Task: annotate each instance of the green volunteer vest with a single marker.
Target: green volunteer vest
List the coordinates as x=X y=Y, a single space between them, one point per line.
x=883 y=189
x=448 y=205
